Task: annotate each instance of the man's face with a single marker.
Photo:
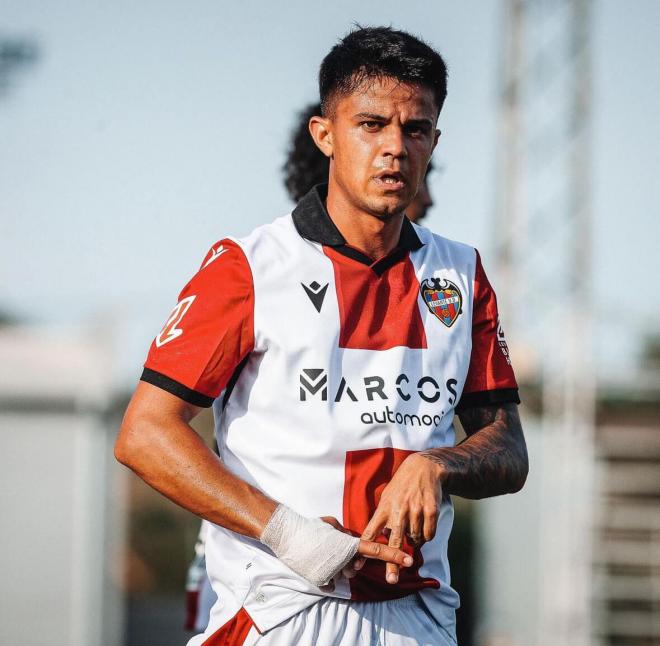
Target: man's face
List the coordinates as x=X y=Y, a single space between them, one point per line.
x=381 y=137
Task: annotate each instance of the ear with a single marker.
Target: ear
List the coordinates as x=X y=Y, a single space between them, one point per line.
x=436 y=138
x=321 y=130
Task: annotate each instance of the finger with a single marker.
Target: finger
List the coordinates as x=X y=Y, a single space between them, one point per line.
x=351 y=569
x=374 y=526
x=396 y=538
x=348 y=571
x=430 y=521
x=415 y=526
x=328 y=587
x=359 y=563
x=385 y=553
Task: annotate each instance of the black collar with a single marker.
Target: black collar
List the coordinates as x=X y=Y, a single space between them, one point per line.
x=312 y=221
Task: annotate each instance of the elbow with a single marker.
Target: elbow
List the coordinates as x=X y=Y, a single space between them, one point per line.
x=123 y=450
x=128 y=447
x=518 y=482
x=519 y=476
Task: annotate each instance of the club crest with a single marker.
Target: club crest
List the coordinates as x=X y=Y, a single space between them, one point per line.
x=443 y=299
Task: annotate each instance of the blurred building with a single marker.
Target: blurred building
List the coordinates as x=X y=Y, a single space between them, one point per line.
x=626 y=565
x=61 y=510
x=621 y=576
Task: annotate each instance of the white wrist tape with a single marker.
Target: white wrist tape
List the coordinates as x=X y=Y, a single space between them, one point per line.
x=310 y=547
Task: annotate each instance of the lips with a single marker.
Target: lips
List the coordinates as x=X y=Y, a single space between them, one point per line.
x=390 y=180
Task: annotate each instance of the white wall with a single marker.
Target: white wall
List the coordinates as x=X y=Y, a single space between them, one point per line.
x=56 y=586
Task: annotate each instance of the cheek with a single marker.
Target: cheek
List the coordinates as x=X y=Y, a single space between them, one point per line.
x=353 y=159
x=420 y=160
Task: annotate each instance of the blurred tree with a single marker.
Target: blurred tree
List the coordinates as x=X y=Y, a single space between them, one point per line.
x=651 y=351
x=15 y=54
x=7 y=319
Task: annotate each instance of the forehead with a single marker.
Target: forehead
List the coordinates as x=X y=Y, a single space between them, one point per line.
x=386 y=96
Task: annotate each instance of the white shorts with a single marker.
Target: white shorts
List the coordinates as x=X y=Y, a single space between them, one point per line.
x=335 y=622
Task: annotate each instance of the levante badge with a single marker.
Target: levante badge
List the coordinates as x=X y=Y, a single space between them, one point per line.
x=443 y=298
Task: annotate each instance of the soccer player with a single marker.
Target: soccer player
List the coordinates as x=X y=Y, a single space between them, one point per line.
x=336 y=345
x=305 y=167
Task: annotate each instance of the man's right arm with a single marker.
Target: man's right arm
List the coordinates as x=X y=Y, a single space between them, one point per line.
x=158 y=443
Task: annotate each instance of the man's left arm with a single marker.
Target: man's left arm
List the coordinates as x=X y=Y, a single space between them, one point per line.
x=491 y=461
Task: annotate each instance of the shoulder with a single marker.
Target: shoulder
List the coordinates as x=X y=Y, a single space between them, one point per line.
x=272 y=238
x=240 y=251
x=446 y=246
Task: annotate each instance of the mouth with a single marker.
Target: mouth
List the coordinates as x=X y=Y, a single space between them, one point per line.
x=390 y=181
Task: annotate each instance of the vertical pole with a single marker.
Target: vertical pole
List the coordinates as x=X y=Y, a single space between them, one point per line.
x=509 y=165
x=544 y=258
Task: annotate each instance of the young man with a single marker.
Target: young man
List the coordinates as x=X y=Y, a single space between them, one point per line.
x=336 y=345
x=305 y=167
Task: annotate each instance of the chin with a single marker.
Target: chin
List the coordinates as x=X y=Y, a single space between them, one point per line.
x=390 y=206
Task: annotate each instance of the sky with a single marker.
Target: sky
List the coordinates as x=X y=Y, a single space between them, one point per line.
x=147 y=131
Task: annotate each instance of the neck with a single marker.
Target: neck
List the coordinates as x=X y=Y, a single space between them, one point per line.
x=374 y=236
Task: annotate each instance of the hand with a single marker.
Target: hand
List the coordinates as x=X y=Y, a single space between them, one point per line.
x=367 y=549
x=350 y=570
x=408 y=505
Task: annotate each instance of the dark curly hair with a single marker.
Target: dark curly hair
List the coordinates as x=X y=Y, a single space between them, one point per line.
x=379 y=52
x=305 y=164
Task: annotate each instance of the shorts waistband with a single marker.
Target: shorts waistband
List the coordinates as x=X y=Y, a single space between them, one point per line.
x=409 y=601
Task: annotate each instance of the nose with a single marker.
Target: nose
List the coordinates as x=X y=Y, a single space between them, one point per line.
x=394 y=142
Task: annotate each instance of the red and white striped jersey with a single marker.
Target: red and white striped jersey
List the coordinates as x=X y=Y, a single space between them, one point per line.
x=326 y=369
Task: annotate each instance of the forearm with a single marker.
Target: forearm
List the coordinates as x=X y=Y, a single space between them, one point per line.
x=491 y=461
x=157 y=442
x=174 y=460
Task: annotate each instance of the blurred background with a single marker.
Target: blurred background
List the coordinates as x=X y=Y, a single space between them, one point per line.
x=134 y=135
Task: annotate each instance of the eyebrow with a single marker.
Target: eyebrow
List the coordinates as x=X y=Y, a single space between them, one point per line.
x=370 y=115
x=420 y=122
x=380 y=117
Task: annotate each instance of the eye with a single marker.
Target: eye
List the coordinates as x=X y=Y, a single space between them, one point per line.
x=371 y=126
x=416 y=130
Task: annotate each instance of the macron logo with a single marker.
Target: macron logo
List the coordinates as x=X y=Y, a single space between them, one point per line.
x=316 y=293
x=215 y=254
x=313 y=380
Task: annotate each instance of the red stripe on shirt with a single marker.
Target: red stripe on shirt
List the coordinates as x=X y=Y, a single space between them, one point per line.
x=234 y=632
x=377 y=312
x=367 y=472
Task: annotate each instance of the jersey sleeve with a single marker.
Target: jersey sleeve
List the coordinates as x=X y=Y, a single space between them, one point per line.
x=490 y=378
x=209 y=332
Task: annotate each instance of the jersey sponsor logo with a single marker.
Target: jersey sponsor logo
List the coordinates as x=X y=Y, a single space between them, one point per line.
x=170 y=330
x=215 y=254
x=314 y=385
x=403 y=419
x=501 y=341
x=443 y=298
x=316 y=293
x=313 y=380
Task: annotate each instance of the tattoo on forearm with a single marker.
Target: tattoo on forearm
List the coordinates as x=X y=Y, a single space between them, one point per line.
x=492 y=460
